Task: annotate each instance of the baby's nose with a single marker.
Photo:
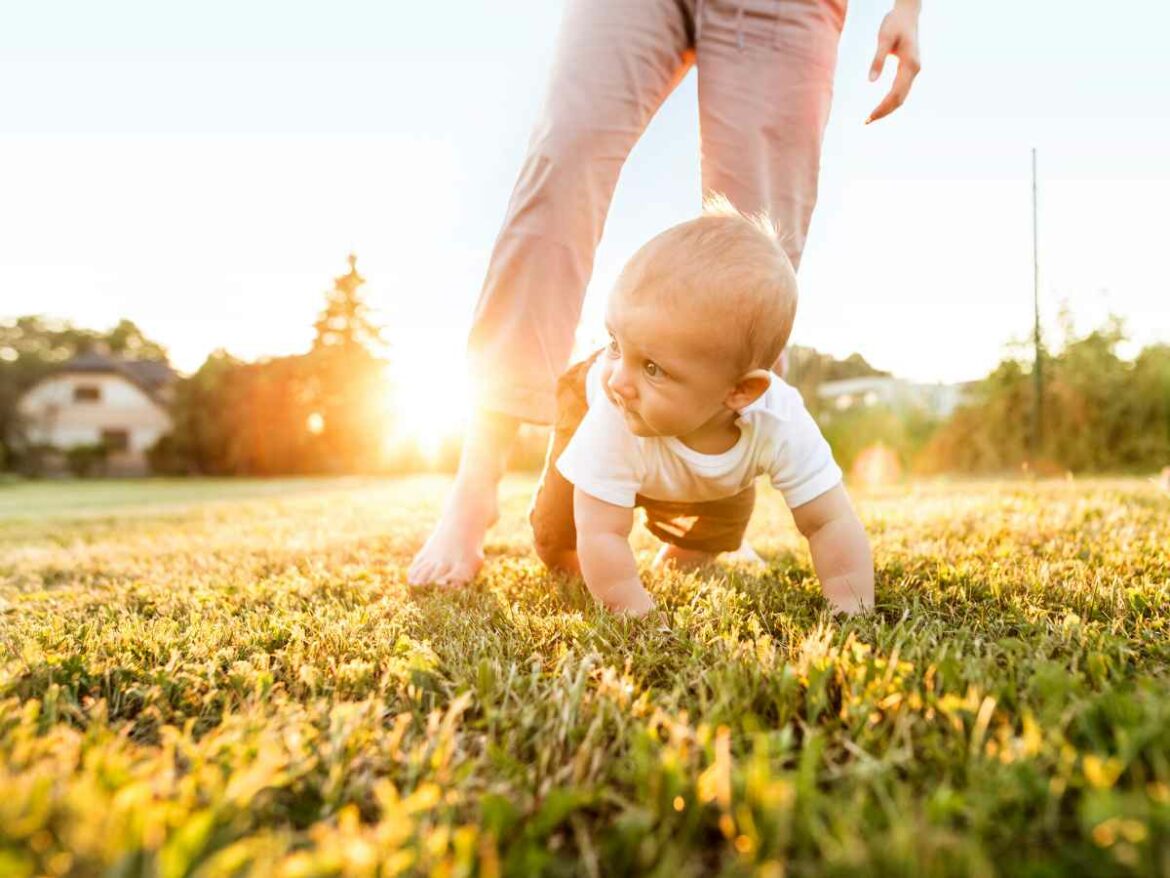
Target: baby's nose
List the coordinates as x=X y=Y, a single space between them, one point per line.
x=619 y=383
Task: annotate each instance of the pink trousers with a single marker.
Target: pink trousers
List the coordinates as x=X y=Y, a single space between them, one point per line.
x=765 y=71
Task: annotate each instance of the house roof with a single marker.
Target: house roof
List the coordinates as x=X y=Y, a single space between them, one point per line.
x=89 y=361
x=151 y=376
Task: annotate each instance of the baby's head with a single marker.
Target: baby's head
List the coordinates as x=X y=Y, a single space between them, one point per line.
x=696 y=319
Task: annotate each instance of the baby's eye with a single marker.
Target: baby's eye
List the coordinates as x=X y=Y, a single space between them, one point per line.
x=612 y=348
x=653 y=369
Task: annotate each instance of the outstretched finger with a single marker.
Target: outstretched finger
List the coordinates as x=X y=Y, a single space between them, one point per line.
x=884 y=47
x=897 y=93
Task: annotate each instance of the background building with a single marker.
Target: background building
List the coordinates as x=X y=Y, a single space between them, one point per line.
x=939 y=400
x=95 y=399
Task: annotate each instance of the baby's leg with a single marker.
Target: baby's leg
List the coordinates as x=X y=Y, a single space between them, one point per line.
x=689 y=559
x=682 y=559
x=554 y=531
x=744 y=555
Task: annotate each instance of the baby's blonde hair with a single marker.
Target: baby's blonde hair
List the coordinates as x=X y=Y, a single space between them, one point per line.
x=730 y=265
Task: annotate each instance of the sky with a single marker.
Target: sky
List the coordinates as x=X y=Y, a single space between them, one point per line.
x=204 y=169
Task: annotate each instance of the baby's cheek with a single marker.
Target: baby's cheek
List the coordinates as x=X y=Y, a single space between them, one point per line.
x=660 y=410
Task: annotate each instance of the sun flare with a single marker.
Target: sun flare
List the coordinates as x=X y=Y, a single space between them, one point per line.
x=877 y=466
x=427 y=394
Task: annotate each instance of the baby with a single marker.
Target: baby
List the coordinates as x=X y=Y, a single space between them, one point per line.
x=680 y=413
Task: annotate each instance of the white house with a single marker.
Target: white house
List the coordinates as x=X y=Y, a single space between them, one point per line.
x=98 y=398
x=896 y=393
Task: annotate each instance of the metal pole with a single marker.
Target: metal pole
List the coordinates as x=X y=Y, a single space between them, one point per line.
x=1037 y=368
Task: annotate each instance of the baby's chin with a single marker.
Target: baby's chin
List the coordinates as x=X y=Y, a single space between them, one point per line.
x=639 y=427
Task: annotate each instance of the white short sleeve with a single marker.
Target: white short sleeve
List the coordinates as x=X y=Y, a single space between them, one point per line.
x=603 y=458
x=803 y=467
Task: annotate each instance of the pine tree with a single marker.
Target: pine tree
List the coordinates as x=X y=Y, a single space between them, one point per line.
x=348 y=382
x=345 y=324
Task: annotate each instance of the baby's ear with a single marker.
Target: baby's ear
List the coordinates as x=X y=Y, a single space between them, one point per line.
x=750 y=387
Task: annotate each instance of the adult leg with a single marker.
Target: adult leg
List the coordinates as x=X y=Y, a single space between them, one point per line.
x=765 y=87
x=616 y=61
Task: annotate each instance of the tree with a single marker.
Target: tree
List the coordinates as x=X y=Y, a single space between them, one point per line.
x=1101 y=412
x=345 y=323
x=349 y=386
x=808 y=368
x=322 y=411
x=127 y=341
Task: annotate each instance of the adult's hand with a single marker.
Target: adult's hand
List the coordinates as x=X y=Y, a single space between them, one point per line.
x=898 y=36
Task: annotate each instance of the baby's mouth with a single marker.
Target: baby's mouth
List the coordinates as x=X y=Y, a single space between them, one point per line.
x=620 y=405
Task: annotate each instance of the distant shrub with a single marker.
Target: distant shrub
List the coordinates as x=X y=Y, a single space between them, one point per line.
x=1099 y=413
x=35 y=460
x=165 y=457
x=87 y=460
x=903 y=431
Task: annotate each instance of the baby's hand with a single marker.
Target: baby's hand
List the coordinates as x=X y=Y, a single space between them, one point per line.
x=840 y=550
x=631 y=601
x=846 y=596
x=603 y=551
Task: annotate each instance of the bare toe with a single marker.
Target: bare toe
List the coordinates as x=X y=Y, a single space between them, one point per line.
x=421 y=571
x=458 y=575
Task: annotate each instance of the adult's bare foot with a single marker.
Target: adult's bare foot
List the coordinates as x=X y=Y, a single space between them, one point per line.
x=453 y=553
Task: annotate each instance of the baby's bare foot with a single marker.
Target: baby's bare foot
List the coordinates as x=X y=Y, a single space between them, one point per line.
x=744 y=556
x=680 y=558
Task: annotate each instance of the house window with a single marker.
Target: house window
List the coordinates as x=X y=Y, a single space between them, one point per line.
x=116 y=440
x=87 y=393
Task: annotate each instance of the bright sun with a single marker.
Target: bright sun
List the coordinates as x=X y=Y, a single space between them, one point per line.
x=427 y=393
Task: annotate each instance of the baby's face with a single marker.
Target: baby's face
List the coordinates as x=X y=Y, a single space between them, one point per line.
x=666 y=370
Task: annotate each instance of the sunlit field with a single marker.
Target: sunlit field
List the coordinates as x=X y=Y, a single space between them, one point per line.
x=232 y=678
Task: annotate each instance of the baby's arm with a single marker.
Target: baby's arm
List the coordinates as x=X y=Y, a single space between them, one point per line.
x=603 y=551
x=840 y=550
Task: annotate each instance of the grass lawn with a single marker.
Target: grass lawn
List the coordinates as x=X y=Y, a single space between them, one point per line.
x=224 y=678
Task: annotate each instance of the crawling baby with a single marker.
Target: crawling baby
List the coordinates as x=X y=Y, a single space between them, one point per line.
x=680 y=413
